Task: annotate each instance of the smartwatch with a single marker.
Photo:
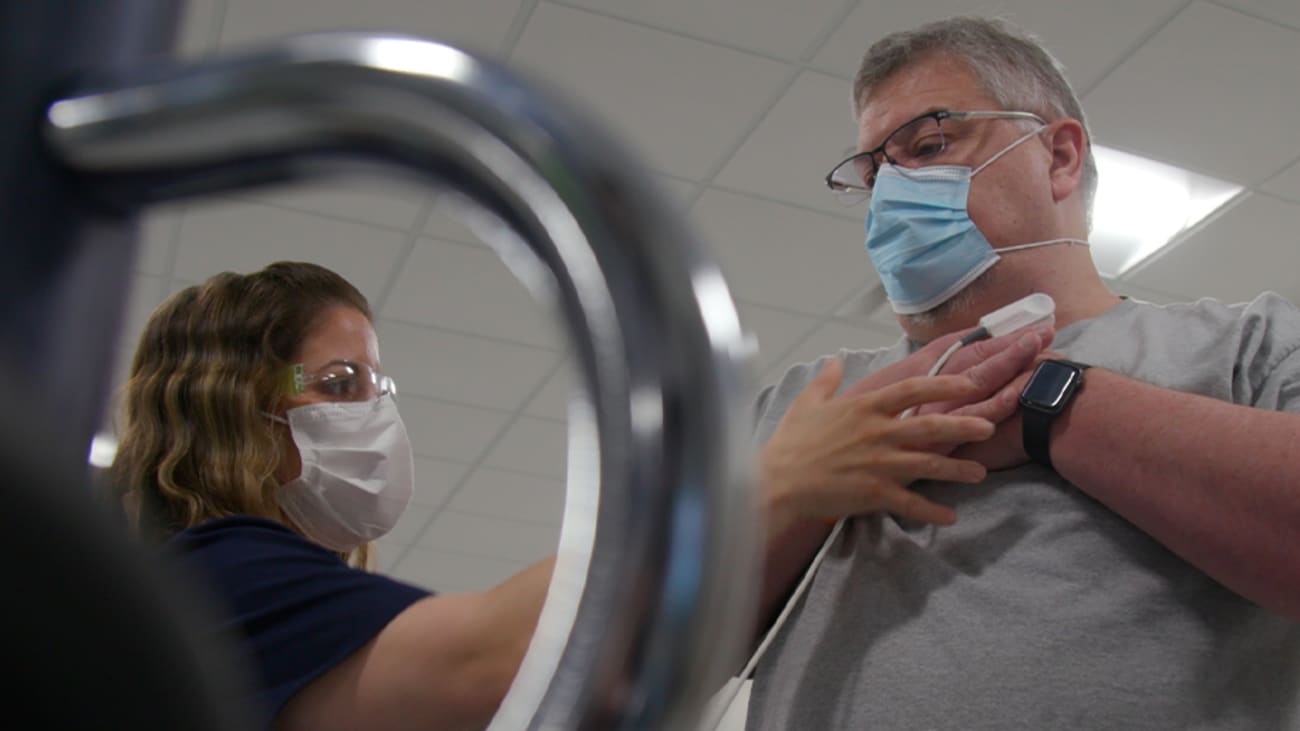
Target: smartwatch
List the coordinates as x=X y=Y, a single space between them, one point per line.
x=1050 y=390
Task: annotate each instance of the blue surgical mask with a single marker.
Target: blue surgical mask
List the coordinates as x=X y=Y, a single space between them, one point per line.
x=920 y=235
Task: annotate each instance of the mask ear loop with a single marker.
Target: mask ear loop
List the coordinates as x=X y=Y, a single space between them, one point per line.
x=1049 y=242
x=1007 y=149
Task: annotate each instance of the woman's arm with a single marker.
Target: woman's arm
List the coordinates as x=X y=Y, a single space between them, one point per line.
x=443 y=663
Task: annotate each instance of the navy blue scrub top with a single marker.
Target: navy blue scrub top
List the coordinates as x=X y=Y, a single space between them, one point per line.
x=300 y=608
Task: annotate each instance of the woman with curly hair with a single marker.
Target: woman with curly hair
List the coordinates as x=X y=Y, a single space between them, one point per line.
x=262 y=440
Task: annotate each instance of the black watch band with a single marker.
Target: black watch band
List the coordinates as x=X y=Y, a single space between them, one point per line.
x=1037 y=436
x=1049 y=392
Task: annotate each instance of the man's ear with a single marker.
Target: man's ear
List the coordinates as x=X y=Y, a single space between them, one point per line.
x=1068 y=143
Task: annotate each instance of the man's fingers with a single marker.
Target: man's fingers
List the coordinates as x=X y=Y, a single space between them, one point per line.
x=998 y=407
x=920 y=362
x=977 y=353
x=994 y=373
x=916 y=364
x=927 y=355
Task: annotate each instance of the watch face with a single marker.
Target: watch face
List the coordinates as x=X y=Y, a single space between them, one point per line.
x=1050 y=385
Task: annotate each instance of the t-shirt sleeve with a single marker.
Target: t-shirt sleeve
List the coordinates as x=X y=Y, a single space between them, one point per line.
x=775 y=399
x=1269 y=358
x=300 y=608
x=1281 y=390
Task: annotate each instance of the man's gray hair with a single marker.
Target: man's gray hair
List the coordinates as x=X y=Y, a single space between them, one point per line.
x=1012 y=65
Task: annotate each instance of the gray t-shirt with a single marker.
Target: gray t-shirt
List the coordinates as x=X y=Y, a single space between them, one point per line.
x=1041 y=608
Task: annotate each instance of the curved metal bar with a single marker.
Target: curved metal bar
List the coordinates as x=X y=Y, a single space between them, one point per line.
x=668 y=580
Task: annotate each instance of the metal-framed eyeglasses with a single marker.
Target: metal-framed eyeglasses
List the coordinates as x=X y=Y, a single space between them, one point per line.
x=918 y=143
x=341 y=380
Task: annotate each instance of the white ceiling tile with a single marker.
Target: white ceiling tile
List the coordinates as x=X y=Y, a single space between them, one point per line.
x=1247 y=250
x=1286 y=184
x=682 y=103
x=552 y=401
x=367 y=199
x=448 y=573
x=159 y=229
x=787 y=157
x=411 y=524
x=200 y=25
x=884 y=318
x=1088 y=38
x=776 y=332
x=1128 y=289
x=469 y=289
x=478 y=25
x=462 y=368
x=829 y=339
x=869 y=304
x=477 y=535
x=680 y=193
x=143 y=297
x=447 y=431
x=145 y=294
x=782 y=256
x=177 y=284
x=1203 y=93
x=244 y=237
x=385 y=553
x=446 y=221
x=1286 y=12
x=775 y=27
x=512 y=496
x=536 y=446
x=435 y=479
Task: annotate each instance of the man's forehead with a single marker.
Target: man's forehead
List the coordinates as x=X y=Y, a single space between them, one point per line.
x=925 y=86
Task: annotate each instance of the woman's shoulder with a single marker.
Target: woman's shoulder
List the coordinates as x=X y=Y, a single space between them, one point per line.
x=298 y=608
x=238 y=542
x=234 y=527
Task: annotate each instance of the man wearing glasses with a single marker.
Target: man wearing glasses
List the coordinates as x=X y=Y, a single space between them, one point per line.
x=1133 y=558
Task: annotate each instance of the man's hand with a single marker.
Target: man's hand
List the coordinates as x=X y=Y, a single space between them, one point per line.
x=979 y=361
x=1006 y=449
x=850 y=454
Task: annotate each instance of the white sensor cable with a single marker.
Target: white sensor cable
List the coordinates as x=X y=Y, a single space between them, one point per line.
x=1035 y=308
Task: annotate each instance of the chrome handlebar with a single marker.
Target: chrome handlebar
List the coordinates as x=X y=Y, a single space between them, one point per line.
x=654 y=589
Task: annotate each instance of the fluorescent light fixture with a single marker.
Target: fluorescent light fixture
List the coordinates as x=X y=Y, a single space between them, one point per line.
x=1143 y=205
x=102 y=450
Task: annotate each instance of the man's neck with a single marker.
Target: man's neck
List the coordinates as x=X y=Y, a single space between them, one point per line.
x=1079 y=300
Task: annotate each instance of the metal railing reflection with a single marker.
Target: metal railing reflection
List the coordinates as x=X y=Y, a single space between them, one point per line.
x=660 y=440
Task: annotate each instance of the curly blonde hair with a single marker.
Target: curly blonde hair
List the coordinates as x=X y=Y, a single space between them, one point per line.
x=195 y=443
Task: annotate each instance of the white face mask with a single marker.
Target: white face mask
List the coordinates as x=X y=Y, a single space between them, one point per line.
x=357 y=471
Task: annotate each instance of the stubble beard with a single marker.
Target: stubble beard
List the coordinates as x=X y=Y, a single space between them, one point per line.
x=958 y=308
